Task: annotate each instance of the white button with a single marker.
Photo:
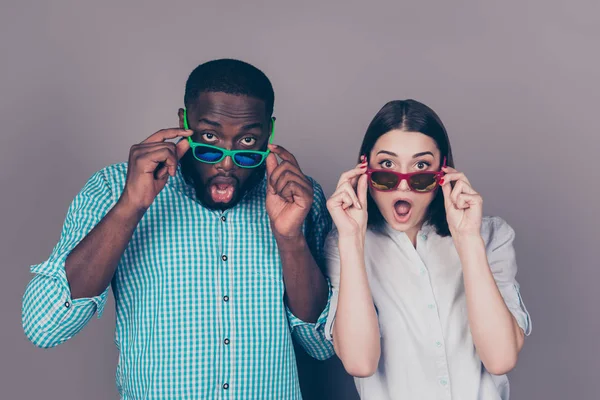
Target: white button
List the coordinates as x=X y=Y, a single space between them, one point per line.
x=424 y=236
x=430 y=306
x=423 y=272
x=443 y=382
x=438 y=343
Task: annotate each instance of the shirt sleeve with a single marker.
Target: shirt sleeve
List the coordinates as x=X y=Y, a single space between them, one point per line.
x=332 y=262
x=500 y=251
x=49 y=315
x=311 y=336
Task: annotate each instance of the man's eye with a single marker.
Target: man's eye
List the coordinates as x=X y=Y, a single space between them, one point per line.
x=209 y=137
x=248 y=141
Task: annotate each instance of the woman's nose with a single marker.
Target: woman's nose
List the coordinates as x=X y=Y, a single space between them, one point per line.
x=404 y=186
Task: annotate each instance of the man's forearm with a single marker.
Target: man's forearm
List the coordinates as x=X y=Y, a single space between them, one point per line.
x=92 y=263
x=305 y=285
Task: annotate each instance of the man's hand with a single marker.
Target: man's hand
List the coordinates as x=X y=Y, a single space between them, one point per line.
x=150 y=164
x=289 y=194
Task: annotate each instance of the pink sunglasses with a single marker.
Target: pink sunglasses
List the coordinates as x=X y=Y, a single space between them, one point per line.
x=385 y=180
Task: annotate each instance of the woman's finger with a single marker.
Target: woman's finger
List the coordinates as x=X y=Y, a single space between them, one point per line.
x=352 y=193
x=352 y=175
x=461 y=187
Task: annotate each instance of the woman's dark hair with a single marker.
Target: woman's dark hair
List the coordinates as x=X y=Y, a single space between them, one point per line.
x=410 y=116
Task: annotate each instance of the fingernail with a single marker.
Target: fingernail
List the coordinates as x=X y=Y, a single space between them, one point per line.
x=359 y=206
x=442 y=181
x=363 y=166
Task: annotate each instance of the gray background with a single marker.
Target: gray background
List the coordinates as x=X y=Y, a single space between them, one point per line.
x=516 y=83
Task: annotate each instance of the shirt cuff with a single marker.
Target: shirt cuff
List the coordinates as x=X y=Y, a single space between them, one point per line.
x=55 y=270
x=519 y=311
x=296 y=322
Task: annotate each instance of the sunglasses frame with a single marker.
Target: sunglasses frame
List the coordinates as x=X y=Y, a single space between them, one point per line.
x=226 y=152
x=437 y=174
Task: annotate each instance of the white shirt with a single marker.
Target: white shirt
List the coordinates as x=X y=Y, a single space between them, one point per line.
x=427 y=351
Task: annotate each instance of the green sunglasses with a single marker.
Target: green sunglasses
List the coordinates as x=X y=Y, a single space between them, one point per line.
x=212 y=154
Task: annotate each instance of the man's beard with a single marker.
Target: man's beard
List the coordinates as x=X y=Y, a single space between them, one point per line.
x=202 y=190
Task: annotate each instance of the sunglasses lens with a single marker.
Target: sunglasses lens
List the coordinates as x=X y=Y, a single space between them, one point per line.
x=248 y=159
x=207 y=154
x=384 y=180
x=423 y=182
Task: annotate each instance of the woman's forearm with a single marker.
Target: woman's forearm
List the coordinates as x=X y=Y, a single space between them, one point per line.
x=496 y=334
x=356 y=329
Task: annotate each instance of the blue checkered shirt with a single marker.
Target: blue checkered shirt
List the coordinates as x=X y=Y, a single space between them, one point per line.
x=199 y=296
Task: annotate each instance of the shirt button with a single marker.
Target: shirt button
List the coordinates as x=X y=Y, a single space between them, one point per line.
x=431 y=306
x=443 y=382
x=438 y=344
x=224 y=257
x=225 y=298
x=226 y=341
x=223 y=218
x=67 y=304
x=423 y=272
x=226 y=386
x=424 y=236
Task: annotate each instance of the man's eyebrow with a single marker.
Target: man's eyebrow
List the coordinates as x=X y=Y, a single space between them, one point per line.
x=209 y=122
x=252 y=126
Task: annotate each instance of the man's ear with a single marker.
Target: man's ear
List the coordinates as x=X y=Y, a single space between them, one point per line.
x=180 y=114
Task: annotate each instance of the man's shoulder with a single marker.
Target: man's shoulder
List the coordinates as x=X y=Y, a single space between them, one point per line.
x=317 y=188
x=113 y=174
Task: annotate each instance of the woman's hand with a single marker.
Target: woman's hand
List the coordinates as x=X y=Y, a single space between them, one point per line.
x=464 y=206
x=348 y=205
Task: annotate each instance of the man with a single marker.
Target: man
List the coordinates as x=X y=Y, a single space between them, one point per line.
x=213 y=256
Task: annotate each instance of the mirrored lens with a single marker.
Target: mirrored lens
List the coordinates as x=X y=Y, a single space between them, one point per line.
x=248 y=159
x=422 y=182
x=383 y=180
x=207 y=154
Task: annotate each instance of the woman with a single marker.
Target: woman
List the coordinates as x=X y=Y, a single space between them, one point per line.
x=425 y=301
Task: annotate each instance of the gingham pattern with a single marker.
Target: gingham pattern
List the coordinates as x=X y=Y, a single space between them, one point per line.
x=179 y=337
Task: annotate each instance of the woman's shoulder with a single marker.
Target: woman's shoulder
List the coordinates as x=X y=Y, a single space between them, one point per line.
x=495 y=230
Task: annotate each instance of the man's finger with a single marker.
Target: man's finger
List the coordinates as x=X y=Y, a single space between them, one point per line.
x=287 y=170
x=165 y=134
x=182 y=147
x=154 y=158
x=291 y=176
x=271 y=165
x=284 y=154
x=293 y=192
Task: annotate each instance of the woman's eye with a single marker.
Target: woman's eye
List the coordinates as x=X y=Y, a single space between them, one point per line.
x=248 y=141
x=386 y=164
x=209 y=137
x=422 y=165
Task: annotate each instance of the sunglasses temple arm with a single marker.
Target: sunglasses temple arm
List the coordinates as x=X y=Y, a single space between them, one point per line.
x=185 y=121
x=272 y=131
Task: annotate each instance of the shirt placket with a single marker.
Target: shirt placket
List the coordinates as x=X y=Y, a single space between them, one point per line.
x=225 y=271
x=432 y=313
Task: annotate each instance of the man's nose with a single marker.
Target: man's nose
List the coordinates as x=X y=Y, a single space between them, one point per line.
x=226 y=164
